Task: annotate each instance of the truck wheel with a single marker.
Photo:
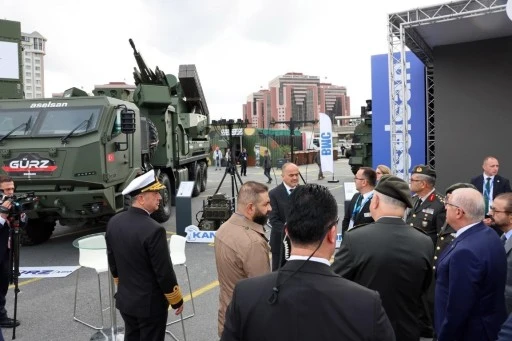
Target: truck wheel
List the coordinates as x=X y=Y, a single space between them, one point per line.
x=197 y=181
x=204 y=175
x=36 y=232
x=164 y=209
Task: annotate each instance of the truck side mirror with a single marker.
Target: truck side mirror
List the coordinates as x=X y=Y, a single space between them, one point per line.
x=128 y=125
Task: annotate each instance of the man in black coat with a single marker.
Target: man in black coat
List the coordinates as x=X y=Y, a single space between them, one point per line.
x=305 y=299
x=357 y=213
x=490 y=184
x=280 y=203
x=7 y=188
x=390 y=256
x=139 y=260
x=242 y=158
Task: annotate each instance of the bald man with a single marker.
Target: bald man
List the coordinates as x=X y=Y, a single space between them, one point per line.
x=279 y=200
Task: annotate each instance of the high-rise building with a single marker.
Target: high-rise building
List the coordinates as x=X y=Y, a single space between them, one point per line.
x=33 y=64
x=298 y=96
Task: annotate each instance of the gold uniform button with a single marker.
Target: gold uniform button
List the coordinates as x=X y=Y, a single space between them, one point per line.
x=412 y=224
x=435 y=257
x=442 y=238
x=434 y=267
x=414 y=215
x=439 y=248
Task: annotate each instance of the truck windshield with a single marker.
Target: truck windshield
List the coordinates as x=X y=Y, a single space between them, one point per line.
x=62 y=121
x=10 y=120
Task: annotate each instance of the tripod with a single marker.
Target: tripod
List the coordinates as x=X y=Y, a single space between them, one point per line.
x=233 y=172
x=14 y=265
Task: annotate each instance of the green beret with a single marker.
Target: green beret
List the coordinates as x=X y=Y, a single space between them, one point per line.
x=425 y=170
x=395 y=188
x=458 y=185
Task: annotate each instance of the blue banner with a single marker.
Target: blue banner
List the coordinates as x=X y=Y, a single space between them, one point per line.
x=416 y=102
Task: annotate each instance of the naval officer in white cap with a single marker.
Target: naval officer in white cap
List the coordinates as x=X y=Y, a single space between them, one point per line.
x=138 y=255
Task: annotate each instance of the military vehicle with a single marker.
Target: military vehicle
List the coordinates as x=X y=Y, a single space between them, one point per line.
x=361 y=149
x=78 y=153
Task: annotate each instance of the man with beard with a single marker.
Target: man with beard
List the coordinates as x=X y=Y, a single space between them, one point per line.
x=241 y=248
x=501 y=216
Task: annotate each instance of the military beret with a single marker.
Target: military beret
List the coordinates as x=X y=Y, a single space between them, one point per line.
x=457 y=186
x=425 y=170
x=395 y=188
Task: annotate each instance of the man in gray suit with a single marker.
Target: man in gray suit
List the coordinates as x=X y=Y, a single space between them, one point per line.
x=501 y=217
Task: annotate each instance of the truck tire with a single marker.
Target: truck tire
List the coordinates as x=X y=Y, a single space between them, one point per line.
x=164 y=209
x=197 y=181
x=204 y=175
x=36 y=232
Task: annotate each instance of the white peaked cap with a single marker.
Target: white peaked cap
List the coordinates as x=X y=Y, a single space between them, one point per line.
x=146 y=182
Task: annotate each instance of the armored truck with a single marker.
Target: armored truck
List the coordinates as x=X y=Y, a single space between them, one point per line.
x=77 y=153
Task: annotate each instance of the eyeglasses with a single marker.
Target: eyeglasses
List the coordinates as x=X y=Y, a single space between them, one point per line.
x=460 y=208
x=496 y=211
x=334 y=222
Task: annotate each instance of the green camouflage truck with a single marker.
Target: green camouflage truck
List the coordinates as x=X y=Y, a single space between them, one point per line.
x=78 y=153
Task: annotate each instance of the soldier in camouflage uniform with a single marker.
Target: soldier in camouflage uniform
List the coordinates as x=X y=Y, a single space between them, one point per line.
x=428 y=212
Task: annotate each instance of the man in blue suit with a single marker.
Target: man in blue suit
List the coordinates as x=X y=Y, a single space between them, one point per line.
x=470 y=274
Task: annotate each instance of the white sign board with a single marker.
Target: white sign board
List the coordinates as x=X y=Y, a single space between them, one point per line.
x=9 y=60
x=195 y=235
x=185 y=189
x=350 y=190
x=46 y=271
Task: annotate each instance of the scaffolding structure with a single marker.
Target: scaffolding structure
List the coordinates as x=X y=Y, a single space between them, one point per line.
x=403 y=32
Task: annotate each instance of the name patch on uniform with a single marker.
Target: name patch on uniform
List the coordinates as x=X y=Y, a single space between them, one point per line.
x=367 y=215
x=428 y=210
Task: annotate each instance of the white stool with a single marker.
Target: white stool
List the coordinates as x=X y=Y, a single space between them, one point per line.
x=177 y=250
x=94 y=259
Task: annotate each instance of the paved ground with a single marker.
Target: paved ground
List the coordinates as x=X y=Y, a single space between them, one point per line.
x=45 y=306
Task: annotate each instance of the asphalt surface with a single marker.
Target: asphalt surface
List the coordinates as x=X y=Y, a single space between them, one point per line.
x=45 y=306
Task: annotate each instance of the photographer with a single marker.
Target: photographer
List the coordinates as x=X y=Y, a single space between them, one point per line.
x=7 y=187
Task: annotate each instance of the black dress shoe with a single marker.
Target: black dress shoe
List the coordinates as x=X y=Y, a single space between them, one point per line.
x=8 y=322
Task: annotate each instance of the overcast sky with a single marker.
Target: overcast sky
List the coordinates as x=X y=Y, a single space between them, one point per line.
x=238 y=46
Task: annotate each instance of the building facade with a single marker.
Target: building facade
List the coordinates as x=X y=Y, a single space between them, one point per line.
x=295 y=96
x=33 y=45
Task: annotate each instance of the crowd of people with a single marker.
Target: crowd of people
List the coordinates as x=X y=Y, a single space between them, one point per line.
x=412 y=262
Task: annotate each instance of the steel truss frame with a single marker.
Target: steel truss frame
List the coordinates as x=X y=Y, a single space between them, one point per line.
x=402 y=33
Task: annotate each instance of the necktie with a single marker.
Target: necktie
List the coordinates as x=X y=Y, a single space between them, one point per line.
x=416 y=204
x=291 y=190
x=487 y=194
x=503 y=239
x=357 y=206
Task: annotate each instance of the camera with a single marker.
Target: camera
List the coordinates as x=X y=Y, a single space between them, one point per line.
x=20 y=203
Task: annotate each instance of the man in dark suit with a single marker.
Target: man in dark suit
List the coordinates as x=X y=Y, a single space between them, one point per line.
x=357 y=213
x=7 y=188
x=139 y=260
x=280 y=203
x=390 y=256
x=501 y=216
x=490 y=184
x=470 y=275
x=305 y=299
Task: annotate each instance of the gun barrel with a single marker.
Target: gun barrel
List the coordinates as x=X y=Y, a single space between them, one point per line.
x=132 y=45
